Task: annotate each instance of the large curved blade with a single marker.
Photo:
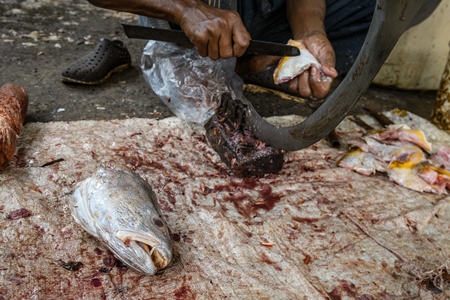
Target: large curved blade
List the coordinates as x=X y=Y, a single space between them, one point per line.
x=390 y=20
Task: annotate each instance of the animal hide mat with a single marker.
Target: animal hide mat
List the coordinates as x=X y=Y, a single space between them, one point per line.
x=313 y=231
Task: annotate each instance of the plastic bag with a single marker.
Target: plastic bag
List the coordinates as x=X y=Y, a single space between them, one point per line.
x=189 y=84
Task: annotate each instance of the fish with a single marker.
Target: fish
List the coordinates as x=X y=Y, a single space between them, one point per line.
x=441 y=158
x=435 y=175
x=399 y=151
x=290 y=67
x=361 y=162
x=394 y=151
x=402 y=133
x=120 y=209
x=417 y=177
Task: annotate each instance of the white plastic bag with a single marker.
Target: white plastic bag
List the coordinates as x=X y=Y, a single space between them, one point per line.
x=189 y=84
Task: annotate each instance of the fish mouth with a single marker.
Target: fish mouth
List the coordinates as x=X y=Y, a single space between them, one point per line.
x=151 y=246
x=157 y=258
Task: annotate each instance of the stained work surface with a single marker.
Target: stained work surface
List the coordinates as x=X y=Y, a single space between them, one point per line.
x=313 y=231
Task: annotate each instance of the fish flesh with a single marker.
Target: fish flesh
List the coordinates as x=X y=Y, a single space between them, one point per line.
x=410 y=176
x=435 y=175
x=364 y=163
x=395 y=151
x=400 y=152
x=290 y=67
x=441 y=158
x=402 y=133
x=120 y=209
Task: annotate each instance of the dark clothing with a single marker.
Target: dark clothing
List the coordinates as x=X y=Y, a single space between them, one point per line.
x=346 y=25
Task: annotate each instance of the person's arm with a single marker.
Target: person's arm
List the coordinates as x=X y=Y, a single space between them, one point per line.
x=215 y=32
x=306 y=19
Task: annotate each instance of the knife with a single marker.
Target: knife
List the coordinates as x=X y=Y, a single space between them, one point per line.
x=180 y=38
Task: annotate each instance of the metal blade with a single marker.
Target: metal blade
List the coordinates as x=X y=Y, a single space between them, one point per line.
x=179 y=37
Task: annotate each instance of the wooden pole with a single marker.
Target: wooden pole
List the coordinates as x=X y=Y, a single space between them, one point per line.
x=441 y=114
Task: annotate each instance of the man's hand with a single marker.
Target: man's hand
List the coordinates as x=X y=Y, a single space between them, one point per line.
x=215 y=32
x=306 y=19
x=309 y=83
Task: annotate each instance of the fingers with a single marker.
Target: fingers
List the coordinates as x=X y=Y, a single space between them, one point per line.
x=304 y=88
x=201 y=43
x=225 y=46
x=216 y=33
x=241 y=40
x=213 y=49
x=309 y=84
x=327 y=59
x=316 y=83
x=319 y=87
x=329 y=71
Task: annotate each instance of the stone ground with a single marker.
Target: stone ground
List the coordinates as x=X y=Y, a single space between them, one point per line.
x=39 y=38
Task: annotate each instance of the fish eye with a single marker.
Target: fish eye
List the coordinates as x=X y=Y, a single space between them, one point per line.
x=158 y=222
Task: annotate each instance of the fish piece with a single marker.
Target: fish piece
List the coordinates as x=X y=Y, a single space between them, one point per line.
x=402 y=133
x=444 y=152
x=408 y=175
x=403 y=150
x=441 y=158
x=429 y=175
x=359 y=143
x=290 y=67
x=435 y=175
x=395 y=151
x=443 y=178
x=120 y=209
x=361 y=162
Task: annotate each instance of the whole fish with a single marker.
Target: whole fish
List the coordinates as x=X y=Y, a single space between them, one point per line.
x=120 y=209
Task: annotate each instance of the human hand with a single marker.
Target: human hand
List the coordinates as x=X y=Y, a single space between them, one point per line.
x=310 y=84
x=215 y=32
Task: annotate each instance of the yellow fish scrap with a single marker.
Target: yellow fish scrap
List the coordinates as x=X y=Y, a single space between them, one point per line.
x=402 y=133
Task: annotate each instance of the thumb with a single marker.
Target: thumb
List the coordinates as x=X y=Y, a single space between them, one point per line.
x=327 y=59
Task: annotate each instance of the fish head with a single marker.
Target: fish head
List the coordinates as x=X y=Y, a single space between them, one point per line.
x=120 y=209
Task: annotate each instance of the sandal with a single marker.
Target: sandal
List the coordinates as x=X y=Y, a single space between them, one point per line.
x=265 y=79
x=97 y=66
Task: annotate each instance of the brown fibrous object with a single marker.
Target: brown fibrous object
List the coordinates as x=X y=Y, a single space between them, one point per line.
x=13 y=109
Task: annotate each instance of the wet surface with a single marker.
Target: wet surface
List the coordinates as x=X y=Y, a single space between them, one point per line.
x=38 y=39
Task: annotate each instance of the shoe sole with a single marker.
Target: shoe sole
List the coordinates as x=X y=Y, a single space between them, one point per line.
x=115 y=70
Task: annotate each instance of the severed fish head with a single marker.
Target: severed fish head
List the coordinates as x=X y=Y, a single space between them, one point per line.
x=120 y=209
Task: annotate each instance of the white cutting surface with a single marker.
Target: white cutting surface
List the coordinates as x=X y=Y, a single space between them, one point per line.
x=336 y=234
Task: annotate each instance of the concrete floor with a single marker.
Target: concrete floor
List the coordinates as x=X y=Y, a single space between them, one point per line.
x=66 y=31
